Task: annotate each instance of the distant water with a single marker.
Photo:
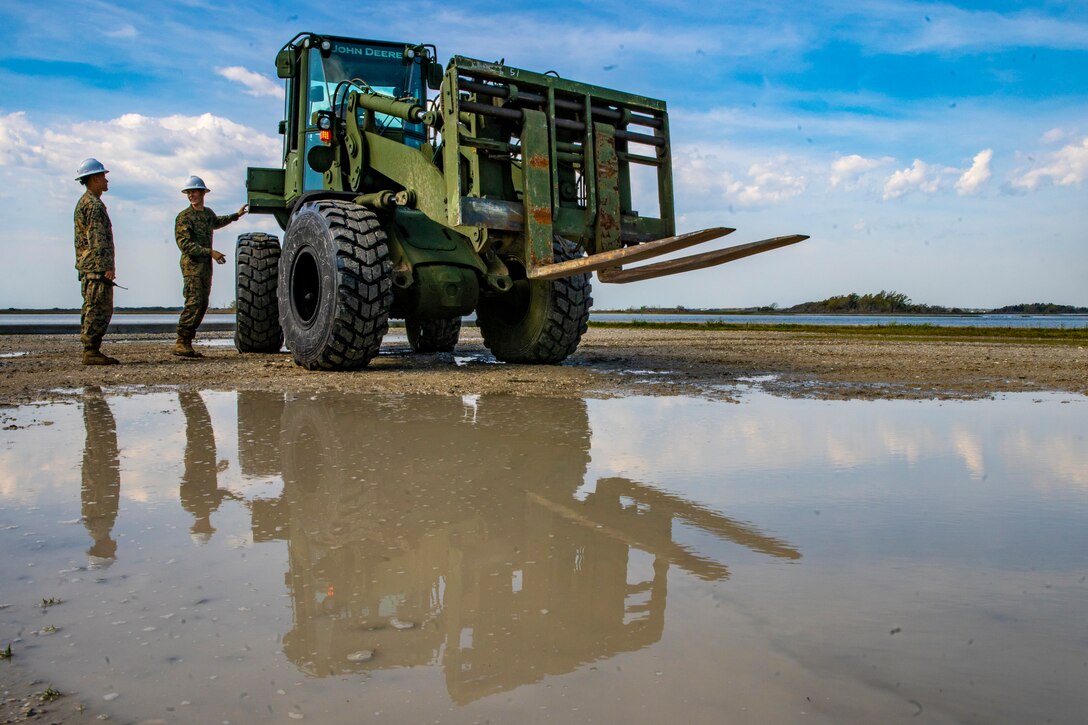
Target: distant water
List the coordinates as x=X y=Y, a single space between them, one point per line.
x=61 y=323
x=118 y=319
x=14 y=323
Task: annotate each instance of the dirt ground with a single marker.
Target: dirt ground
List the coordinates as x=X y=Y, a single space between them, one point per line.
x=609 y=362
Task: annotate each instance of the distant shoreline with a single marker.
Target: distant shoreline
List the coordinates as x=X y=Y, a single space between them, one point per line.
x=787 y=313
x=645 y=311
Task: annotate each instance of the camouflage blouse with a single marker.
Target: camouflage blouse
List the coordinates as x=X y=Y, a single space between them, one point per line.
x=193 y=231
x=94 y=237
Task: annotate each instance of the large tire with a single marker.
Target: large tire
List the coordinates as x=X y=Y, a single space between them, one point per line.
x=335 y=286
x=257 y=326
x=538 y=321
x=433 y=335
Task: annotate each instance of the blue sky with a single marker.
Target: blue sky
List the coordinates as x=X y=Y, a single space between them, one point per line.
x=937 y=149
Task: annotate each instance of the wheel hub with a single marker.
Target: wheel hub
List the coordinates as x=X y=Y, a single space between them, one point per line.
x=305 y=287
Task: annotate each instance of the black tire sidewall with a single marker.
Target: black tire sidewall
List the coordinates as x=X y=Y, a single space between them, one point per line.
x=350 y=275
x=308 y=339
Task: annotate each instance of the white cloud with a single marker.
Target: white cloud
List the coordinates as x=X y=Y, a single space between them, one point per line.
x=975 y=177
x=701 y=175
x=770 y=182
x=920 y=177
x=950 y=28
x=125 y=31
x=16 y=147
x=695 y=169
x=848 y=170
x=528 y=40
x=1058 y=463
x=1065 y=167
x=1054 y=135
x=257 y=84
x=152 y=153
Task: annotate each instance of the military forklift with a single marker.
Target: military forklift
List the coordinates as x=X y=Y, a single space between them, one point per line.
x=499 y=195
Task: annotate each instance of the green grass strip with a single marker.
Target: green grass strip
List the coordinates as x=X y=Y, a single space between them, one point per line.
x=924 y=331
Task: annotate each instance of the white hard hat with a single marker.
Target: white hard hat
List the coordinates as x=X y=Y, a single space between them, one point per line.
x=90 y=167
x=194 y=182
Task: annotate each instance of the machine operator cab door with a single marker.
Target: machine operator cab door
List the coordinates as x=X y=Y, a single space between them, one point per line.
x=331 y=67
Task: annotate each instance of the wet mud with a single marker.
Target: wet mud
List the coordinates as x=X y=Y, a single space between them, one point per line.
x=608 y=362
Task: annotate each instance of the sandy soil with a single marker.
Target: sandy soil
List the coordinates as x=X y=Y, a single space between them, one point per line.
x=609 y=362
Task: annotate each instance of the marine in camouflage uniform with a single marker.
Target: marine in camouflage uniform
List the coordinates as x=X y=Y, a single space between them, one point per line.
x=193 y=231
x=95 y=265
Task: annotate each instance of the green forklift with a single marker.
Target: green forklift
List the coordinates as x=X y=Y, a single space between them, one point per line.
x=413 y=192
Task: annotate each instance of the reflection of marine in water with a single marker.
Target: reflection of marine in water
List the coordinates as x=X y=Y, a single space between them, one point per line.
x=434 y=531
x=200 y=492
x=101 y=478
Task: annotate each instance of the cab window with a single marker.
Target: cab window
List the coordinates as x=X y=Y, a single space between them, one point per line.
x=380 y=67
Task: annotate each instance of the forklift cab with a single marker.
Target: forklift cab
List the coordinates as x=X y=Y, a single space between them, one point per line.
x=321 y=72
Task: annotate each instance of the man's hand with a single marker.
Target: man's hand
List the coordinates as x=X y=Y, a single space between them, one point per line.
x=219 y=257
x=244 y=210
x=111 y=275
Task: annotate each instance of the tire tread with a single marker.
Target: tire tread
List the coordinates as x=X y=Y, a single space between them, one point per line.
x=364 y=292
x=257 y=323
x=566 y=319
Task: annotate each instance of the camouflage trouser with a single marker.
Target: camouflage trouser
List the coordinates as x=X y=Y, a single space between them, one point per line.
x=97 y=310
x=197 y=290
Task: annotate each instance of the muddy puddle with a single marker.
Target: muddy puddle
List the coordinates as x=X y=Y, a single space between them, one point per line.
x=249 y=557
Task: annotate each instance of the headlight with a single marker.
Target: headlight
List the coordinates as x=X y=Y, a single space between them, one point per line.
x=326 y=121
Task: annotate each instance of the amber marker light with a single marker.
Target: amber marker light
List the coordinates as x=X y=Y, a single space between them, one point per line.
x=324 y=126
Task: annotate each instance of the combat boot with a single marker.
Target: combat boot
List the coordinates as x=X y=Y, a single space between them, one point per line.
x=184 y=348
x=92 y=356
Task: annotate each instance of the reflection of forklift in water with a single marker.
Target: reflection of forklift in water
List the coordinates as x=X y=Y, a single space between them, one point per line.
x=446 y=532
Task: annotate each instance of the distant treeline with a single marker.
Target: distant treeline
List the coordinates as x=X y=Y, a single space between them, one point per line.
x=1040 y=308
x=880 y=303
